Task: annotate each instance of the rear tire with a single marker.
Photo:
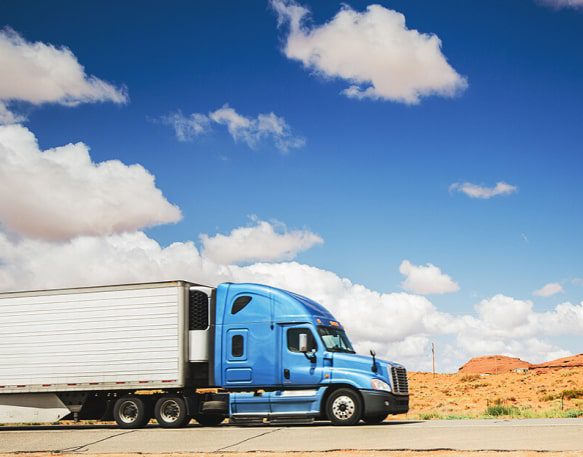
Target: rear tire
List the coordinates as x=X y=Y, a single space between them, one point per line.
x=170 y=412
x=344 y=407
x=210 y=420
x=373 y=420
x=131 y=412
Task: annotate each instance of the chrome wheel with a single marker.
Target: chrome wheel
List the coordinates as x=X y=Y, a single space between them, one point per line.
x=128 y=412
x=170 y=411
x=343 y=407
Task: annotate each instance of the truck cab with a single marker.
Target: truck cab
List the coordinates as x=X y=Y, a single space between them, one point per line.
x=283 y=356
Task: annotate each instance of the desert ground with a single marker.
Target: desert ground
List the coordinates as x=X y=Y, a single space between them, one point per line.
x=534 y=393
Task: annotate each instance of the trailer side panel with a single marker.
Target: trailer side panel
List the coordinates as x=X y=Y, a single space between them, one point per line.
x=109 y=338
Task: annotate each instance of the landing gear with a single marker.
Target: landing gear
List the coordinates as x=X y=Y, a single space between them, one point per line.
x=344 y=407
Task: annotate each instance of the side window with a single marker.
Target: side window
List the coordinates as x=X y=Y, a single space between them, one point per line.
x=240 y=303
x=293 y=339
x=237 y=346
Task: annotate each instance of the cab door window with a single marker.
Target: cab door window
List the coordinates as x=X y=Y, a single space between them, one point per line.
x=293 y=339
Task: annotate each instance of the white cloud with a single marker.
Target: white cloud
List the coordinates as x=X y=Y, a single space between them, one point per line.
x=251 y=131
x=42 y=73
x=262 y=241
x=60 y=193
x=188 y=127
x=563 y=3
x=477 y=191
x=504 y=313
x=8 y=117
x=373 y=51
x=549 y=289
x=426 y=279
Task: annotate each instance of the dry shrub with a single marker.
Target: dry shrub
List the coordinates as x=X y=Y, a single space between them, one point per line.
x=469 y=377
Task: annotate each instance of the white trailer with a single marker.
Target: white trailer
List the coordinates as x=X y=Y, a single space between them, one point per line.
x=61 y=348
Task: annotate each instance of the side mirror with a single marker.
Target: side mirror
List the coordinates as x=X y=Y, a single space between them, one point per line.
x=374 y=367
x=303 y=346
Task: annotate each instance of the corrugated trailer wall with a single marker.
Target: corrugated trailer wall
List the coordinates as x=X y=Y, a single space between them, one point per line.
x=109 y=337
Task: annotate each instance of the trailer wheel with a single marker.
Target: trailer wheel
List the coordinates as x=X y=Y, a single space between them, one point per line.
x=210 y=420
x=344 y=407
x=170 y=412
x=131 y=412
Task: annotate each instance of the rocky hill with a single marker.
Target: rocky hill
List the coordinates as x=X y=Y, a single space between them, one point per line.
x=493 y=364
x=497 y=364
x=565 y=362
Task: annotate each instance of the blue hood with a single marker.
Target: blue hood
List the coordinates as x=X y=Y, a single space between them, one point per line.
x=358 y=368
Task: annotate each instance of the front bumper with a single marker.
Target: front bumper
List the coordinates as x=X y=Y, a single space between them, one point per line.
x=378 y=403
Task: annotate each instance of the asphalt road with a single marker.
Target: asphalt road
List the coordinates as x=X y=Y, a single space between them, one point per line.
x=535 y=434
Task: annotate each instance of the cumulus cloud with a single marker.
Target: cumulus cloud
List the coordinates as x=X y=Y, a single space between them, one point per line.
x=483 y=192
x=510 y=326
x=262 y=241
x=549 y=289
x=504 y=313
x=426 y=279
x=563 y=3
x=249 y=130
x=373 y=51
x=60 y=193
x=40 y=73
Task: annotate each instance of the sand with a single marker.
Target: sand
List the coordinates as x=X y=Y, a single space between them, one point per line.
x=471 y=394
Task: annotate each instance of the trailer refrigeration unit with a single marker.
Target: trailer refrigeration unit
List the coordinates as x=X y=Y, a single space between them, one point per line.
x=177 y=351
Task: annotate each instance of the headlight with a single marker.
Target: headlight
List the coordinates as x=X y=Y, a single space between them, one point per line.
x=377 y=384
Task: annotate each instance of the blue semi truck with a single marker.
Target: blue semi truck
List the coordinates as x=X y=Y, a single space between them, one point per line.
x=177 y=351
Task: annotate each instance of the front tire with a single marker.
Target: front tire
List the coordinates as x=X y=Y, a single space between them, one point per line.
x=131 y=412
x=209 y=420
x=170 y=412
x=374 y=420
x=344 y=407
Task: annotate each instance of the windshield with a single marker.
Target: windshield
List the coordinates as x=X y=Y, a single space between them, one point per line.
x=335 y=339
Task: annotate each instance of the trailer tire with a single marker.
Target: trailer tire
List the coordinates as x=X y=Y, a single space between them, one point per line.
x=209 y=420
x=131 y=412
x=344 y=407
x=170 y=412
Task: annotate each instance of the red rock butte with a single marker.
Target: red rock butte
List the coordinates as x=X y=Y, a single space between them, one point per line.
x=496 y=364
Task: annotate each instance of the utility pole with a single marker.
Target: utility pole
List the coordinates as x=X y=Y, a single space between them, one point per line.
x=433 y=357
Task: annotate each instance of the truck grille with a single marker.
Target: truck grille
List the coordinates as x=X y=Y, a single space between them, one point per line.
x=400 y=383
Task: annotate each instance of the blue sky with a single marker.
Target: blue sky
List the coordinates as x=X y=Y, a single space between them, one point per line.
x=373 y=177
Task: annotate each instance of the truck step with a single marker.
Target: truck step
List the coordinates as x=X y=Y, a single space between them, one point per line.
x=249 y=421
x=282 y=420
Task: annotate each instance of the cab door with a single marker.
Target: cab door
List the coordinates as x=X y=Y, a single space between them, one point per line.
x=238 y=370
x=298 y=369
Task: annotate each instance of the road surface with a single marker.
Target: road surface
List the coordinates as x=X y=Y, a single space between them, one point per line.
x=504 y=435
